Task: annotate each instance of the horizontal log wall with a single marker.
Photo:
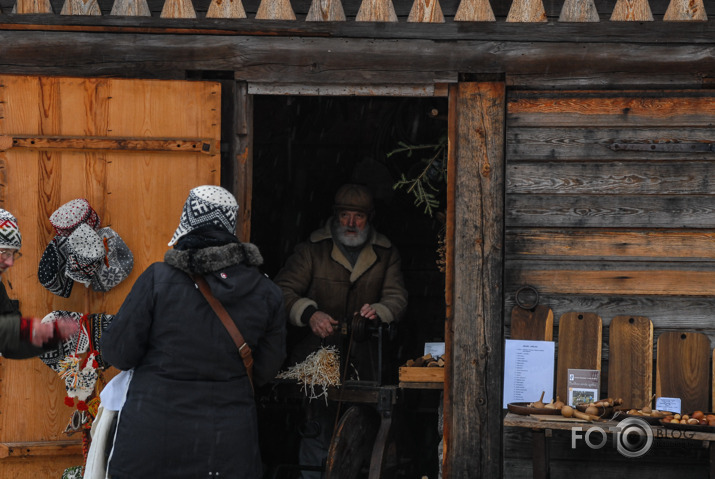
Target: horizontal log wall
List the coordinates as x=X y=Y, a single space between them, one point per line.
x=614 y=232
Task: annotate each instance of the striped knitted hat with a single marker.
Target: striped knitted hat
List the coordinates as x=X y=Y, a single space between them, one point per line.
x=207 y=205
x=9 y=232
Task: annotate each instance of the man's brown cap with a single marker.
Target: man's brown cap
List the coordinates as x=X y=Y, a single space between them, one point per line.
x=354 y=197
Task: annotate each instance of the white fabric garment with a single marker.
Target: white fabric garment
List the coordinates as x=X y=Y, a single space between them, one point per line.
x=111 y=401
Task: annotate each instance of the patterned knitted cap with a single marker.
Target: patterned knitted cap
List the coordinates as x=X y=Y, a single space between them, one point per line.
x=66 y=347
x=207 y=205
x=85 y=253
x=72 y=214
x=9 y=232
x=53 y=263
x=117 y=264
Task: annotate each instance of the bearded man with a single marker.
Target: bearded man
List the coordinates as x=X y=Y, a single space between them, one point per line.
x=345 y=268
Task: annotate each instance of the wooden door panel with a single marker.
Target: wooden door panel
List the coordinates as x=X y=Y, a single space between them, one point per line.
x=139 y=193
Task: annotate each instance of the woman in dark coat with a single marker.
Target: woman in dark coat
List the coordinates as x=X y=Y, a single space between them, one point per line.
x=190 y=410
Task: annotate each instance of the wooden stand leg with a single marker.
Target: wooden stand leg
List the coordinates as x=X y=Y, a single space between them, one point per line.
x=711 y=447
x=540 y=453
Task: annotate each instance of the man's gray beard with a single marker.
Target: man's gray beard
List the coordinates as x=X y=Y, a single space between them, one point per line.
x=352 y=241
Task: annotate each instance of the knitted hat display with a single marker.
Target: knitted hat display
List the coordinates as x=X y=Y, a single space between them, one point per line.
x=85 y=254
x=72 y=214
x=117 y=264
x=98 y=323
x=207 y=205
x=67 y=347
x=53 y=263
x=9 y=232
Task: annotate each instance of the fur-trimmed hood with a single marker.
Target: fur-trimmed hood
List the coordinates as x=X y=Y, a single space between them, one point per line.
x=213 y=258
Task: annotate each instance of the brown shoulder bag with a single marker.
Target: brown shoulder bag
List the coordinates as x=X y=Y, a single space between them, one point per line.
x=243 y=349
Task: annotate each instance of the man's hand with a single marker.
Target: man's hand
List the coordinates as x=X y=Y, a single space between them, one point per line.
x=368 y=312
x=43 y=333
x=322 y=324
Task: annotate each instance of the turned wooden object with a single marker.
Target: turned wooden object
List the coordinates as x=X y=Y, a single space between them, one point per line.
x=178 y=9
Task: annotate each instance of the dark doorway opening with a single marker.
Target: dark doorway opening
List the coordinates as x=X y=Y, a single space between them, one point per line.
x=304 y=148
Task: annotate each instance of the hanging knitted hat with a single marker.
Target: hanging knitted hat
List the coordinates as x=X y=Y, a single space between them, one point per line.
x=118 y=261
x=9 y=232
x=207 y=205
x=72 y=214
x=53 y=263
x=66 y=347
x=85 y=254
x=98 y=324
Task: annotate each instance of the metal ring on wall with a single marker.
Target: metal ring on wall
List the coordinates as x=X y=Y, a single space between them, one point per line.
x=520 y=303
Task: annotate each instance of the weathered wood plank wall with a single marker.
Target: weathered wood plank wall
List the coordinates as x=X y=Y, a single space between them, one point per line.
x=616 y=232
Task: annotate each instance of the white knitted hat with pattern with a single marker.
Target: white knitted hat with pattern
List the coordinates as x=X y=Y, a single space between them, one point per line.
x=207 y=205
x=9 y=232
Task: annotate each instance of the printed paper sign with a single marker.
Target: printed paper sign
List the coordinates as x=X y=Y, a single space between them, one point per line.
x=528 y=370
x=583 y=386
x=668 y=404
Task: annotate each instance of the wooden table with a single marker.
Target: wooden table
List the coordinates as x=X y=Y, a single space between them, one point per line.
x=541 y=430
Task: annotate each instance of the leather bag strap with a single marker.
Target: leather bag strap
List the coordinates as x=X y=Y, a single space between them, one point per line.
x=243 y=349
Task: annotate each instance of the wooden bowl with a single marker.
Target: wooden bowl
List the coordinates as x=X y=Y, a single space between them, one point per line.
x=522 y=409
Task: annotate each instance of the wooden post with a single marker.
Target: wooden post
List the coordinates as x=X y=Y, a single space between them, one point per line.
x=686 y=10
x=325 y=11
x=528 y=11
x=474 y=330
x=32 y=6
x=242 y=154
x=178 y=9
x=131 y=8
x=376 y=11
x=474 y=11
x=579 y=11
x=81 y=7
x=426 y=11
x=632 y=11
x=226 y=9
x=275 y=10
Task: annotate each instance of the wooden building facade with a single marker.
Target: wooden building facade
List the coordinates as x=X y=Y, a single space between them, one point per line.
x=580 y=144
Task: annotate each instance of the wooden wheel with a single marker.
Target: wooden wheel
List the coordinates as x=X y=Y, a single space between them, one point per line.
x=352 y=443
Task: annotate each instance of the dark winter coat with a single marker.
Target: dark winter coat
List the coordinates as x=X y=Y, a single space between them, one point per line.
x=10 y=344
x=190 y=411
x=318 y=275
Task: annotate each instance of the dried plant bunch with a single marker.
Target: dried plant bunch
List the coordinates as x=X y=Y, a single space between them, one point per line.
x=316 y=373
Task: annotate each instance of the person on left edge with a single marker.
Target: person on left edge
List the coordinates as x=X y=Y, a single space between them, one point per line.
x=22 y=338
x=189 y=410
